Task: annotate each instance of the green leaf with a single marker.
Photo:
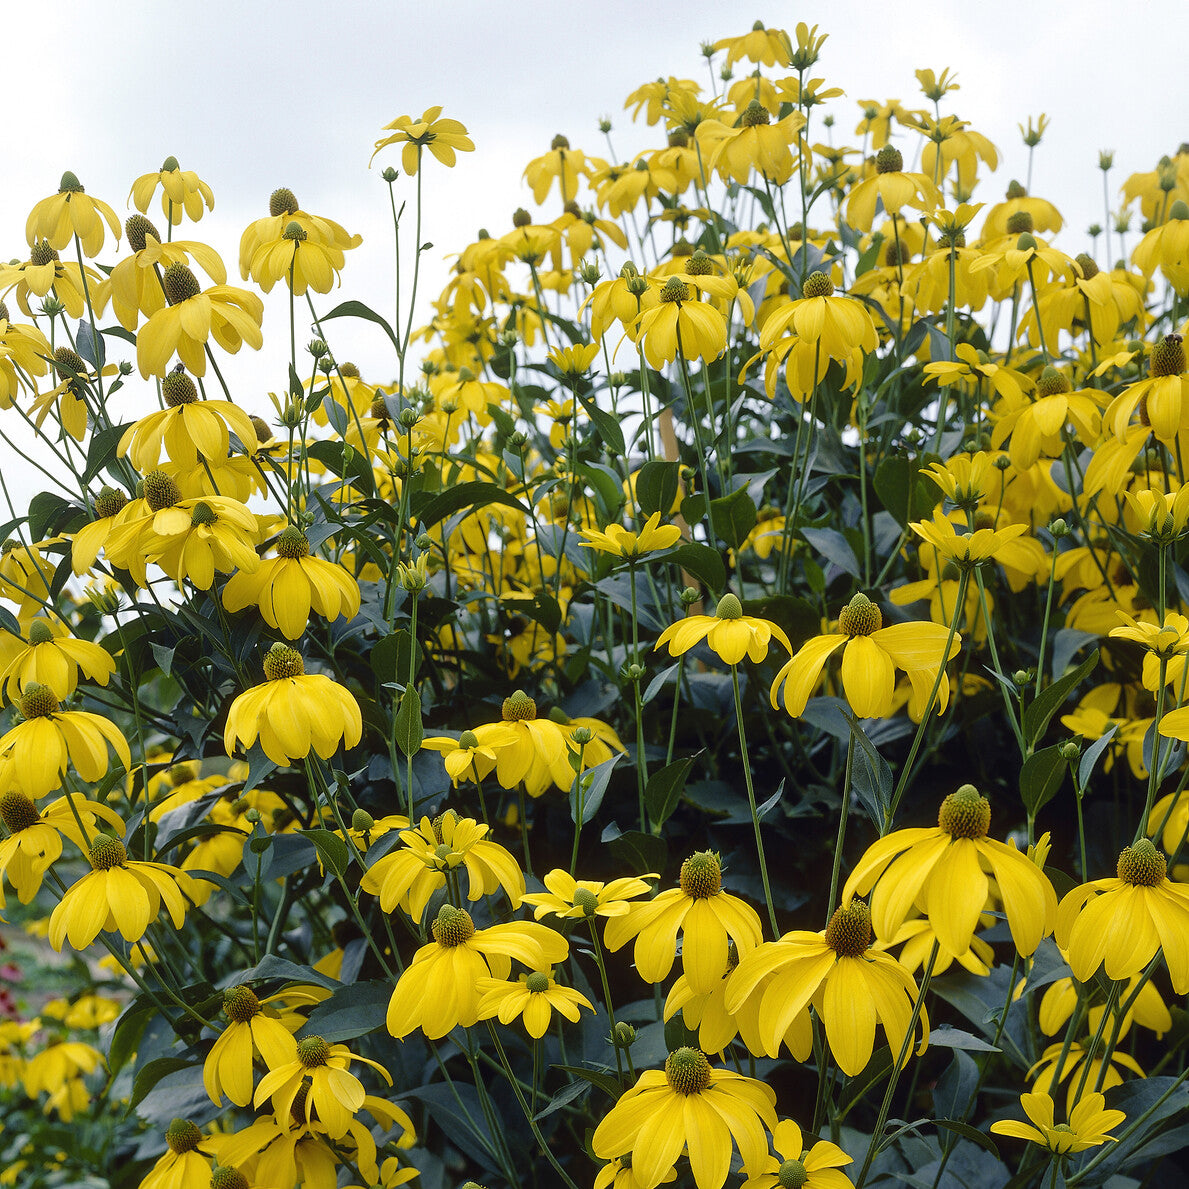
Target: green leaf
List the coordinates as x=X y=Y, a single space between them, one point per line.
x=607 y=425
x=350 y=1012
x=357 y=471
x=102 y=450
x=970 y=1132
x=356 y=309
x=645 y=854
x=567 y=1094
x=871 y=776
x=151 y=1074
x=391 y=656
x=594 y=788
x=604 y=1081
x=45 y=510
x=665 y=787
x=733 y=517
x=657 y=484
x=1090 y=757
x=332 y=850
x=834 y=547
x=605 y=484
x=947 y=1037
x=904 y=491
x=704 y=563
x=465 y=495
x=408 y=730
x=1037 y=716
x=128 y=1032
x=1041 y=777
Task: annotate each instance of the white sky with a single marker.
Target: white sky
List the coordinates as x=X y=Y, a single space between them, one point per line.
x=254 y=95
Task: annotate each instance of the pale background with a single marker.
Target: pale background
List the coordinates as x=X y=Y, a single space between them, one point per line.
x=257 y=95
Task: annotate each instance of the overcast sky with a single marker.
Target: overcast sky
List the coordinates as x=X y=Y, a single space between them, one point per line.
x=255 y=95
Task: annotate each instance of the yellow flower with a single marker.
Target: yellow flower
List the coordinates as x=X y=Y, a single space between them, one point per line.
x=620 y=542
x=585 y=898
x=201 y=536
x=574 y=361
x=871 y=655
x=754 y=143
x=50 y=656
x=409 y=876
x=769 y=47
x=293 y=712
x=689 y=1107
x=561 y=162
x=333 y=1092
x=283 y=211
x=728 y=633
x=1074 y=1066
x=815 y=1168
x=466 y=758
x=287 y=587
x=232 y=316
x=303 y=261
x=186 y=1161
x=891 y=186
x=1162 y=398
x=50 y=738
x=534 y=997
x=943 y=870
x=68 y=213
x=539 y=756
x=439 y=989
x=227 y=1069
x=119 y=893
x=1087 y=1128
x=182 y=191
x=680 y=322
x=23 y=354
x=1127 y=920
x=978 y=548
x=44 y=271
x=707 y=917
x=441 y=137
x=852 y=986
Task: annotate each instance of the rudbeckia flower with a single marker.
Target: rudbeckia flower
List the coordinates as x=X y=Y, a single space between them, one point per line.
x=231 y=316
x=978 y=548
x=534 y=997
x=681 y=322
x=753 y=144
x=794 y=1164
x=768 y=47
x=689 y=1107
x=23 y=354
x=1087 y=1128
x=299 y=259
x=50 y=656
x=1075 y=1064
x=186 y=1161
x=409 y=876
x=441 y=137
x=852 y=986
x=1127 y=920
x=466 y=758
x=707 y=917
x=871 y=655
x=1036 y=425
x=284 y=210
x=539 y=756
x=565 y=164
x=45 y=271
x=891 y=186
x=1162 y=398
x=287 y=587
x=68 y=213
x=585 y=898
x=620 y=542
x=334 y=1092
x=182 y=192
x=944 y=870
x=202 y=536
x=439 y=989
x=119 y=893
x=50 y=738
x=227 y=1069
x=728 y=633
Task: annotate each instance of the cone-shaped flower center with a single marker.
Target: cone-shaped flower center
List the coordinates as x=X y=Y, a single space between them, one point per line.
x=1168 y=356
x=160 y=490
x=849 y=932
x=559 y=142
x=240 y=1004
x=138 y=229
x=519 y=707
x=178 y=388
x=889 y=160
x=537 y=982
x=1027 y=242
x=70 y=184
x=223 y=1177
x=294 y=230
x=179 y=283
x=1019 y=222
x=437 y=823
x=1052 y=382
x=791 y=1175
x=293 y=544
x=107 y=852
x=1088 y=265
x=675 y=289
x=468 y=740
x=41 y=253
x=729 y=607
x=68 y=364
x=362 y=821
x=860 y=617
x=817 y=284
x=452 y=926
x=965 y=813
x=202 y=513
x=312 y=1052
x=39 y=632
x=17 y=812
x=182 y=1136
x=755 y=113
x=1142 y=865
x=586 y=900
x=281 y=661
x=687 y=1070
x=38 y=701
x=282 y=202
x=701 y=875
x=109 y=501
x=699 y=265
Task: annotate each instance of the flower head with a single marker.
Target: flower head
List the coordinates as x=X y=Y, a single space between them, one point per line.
x=441 y=137
x=729 y=633
x=1088 y=1124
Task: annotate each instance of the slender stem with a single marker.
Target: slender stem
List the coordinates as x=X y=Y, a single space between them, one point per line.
x=751 y=800
x=838 y=842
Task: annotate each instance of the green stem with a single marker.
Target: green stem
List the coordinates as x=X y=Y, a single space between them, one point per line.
x=751 y=800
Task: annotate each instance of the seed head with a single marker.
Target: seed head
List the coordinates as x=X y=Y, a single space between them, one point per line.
x=519 y=707
x=965 y=813
x=180 y=284
x=293 y=544
x=1018 y=222
x=537 y=982
x=889 y=160
x=1052 y=382
x=282 y=202
x=860 y=617
x=281 y=661
x=17 y=812
x=791 y=1175
x=849 y=932
x=1168 y=356
x=817 y=284
x=729 y=607
x=240 y=1004
x=160 y=490
x=38 y=701
x=452 y=926
x=701 y=875
x=107 y=852
x=182 y=1136
x=687 y=1070
x=1142 y=865
x=178 y=388
x=312 y=1052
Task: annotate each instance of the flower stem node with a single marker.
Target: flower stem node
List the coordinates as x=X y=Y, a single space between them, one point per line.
x=849 y=932
x=701 y=875
x=182 y=1136
x=860 y=617
x=519 y=707
x=817 y=284
x=1141 y=865
x=965 y=813
x=687 y=1070
x=452 y=926
x=240 y=1004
